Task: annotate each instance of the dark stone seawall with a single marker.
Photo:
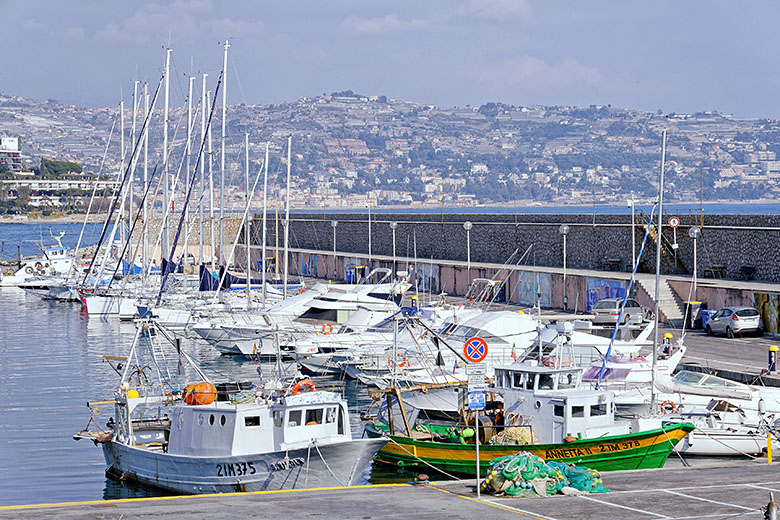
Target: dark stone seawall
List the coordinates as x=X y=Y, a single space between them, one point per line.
x=730 y=246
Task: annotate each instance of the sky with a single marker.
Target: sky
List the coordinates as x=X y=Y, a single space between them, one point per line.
x=667 y=55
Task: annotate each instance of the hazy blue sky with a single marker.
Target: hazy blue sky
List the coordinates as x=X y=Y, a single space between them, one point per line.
x=677 y=56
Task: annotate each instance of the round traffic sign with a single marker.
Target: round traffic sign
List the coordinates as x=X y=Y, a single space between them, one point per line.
x=475 y=349
x=674 y=222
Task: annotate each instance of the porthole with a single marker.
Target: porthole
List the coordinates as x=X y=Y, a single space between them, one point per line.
x=211 y=420
x=222 y=420
x=538 y=404
x=200 y=418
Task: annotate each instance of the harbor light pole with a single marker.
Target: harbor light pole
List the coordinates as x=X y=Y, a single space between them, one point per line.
x=564 y=230
x=694 y=232
x=467 y=226
x=393 y=226
x=630 y=204
x=334 y=224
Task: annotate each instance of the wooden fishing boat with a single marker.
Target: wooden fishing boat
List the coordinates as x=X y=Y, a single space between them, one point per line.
x=647 y=449
x=542 y=410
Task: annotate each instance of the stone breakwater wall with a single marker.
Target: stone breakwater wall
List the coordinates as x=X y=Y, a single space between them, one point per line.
x=730 y=246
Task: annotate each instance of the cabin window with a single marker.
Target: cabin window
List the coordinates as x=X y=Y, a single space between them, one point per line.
x=545 y=382
x=211 y=420
x=598 y=409
x=518 y=380
x=330 y=415
x=278 y=418
x=341 y=420
x=558 y=410
x=295 y=418
x=222 y=420
x=314 y=416
x=578 y=411
x=253 y=420
x=566 y=381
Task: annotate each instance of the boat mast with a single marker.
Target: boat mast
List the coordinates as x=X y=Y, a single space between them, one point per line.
x=222 y=159
x=265 y=200
x=247 y=224
x=213 y=236
x=188 y=161
x=121 y=215
x=659 y=238
x=130 y=211
x=287 y=216
x=166 y=181
x=202 y=167
x=145 y=253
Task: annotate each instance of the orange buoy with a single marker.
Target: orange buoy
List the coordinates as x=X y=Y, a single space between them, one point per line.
x=189 y=397
x=204 y=393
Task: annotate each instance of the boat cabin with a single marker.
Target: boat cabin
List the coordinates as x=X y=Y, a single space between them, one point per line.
x=551 y=401
x=225 y=429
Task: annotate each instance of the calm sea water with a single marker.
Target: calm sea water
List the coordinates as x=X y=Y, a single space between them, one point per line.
x=51 y=365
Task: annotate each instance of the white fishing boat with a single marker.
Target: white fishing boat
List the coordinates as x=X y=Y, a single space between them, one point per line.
x=236 y=439
x=55 y=259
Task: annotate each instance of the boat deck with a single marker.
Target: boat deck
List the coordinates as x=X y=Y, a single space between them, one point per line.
x=731 y=489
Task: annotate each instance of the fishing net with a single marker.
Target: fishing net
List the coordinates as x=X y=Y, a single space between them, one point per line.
x=524 y=474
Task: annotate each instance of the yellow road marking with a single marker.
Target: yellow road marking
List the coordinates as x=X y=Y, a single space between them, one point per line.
x=491 y=504
x=176 y=497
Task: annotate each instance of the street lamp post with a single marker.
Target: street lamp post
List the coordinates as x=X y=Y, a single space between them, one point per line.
x=393 y=226
x=334 y=223
x=630 y=204
x=467 y=226
x=694 y=232
x=564 y=230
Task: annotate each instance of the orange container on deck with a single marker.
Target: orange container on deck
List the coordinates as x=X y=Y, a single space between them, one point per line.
x=203 y=393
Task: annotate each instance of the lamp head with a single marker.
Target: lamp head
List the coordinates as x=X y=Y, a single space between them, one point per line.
x=467 y=225
x=694 y=232
x=564 y=229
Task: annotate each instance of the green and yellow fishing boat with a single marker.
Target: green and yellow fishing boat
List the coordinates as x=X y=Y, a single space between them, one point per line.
x=543 y=410
x=647 y=449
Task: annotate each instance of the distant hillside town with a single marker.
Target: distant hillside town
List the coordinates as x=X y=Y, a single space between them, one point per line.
x=351 y=150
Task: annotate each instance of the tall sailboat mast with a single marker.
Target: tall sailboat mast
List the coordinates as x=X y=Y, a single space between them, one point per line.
x=265 y=207
x=222 y=160
x=130 y=211
x=247 y=224
x=659 y=239
x=211 y=190
x=202 y=167
x=188 y=162
x=166 y=181
x=145 y=252
x=287 y=216
x=121 y=215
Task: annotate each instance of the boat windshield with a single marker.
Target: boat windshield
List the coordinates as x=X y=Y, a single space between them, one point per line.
x=689 y=378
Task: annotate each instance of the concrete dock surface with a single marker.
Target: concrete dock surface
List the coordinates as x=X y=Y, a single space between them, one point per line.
x=733 y=489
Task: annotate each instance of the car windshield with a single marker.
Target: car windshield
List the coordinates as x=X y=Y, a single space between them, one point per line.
x=605 y=305
x=747 y=313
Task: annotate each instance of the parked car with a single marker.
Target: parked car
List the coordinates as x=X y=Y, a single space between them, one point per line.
x=608 y=310
x=735 y=320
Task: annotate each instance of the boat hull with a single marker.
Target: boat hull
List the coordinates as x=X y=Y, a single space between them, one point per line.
x=648 y=449
x=292 y=469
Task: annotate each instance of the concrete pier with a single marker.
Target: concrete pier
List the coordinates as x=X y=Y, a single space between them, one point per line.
x=735 y=489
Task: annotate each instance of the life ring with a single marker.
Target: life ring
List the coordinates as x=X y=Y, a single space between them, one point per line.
x=668 y=407
x=308 y=383
x=404 y=362
x=327 y=328
x=28 y=269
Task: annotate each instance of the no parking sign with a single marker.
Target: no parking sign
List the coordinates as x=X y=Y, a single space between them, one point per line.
x=475 y=349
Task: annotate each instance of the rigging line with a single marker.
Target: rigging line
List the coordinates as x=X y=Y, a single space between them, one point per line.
x=130 y=234
x=623 y=306
x=167 y=269
x=73 y=265
x=240 y=87
x=144 y=128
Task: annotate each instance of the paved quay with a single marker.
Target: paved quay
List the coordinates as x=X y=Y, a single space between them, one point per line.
x=728 y=490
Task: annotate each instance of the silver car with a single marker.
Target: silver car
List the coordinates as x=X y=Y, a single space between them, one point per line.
x=735 y=320
x=608 y=310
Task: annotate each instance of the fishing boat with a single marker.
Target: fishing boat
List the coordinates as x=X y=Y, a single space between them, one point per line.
x=224 y=437
x=55 y=259
x=542 y=410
